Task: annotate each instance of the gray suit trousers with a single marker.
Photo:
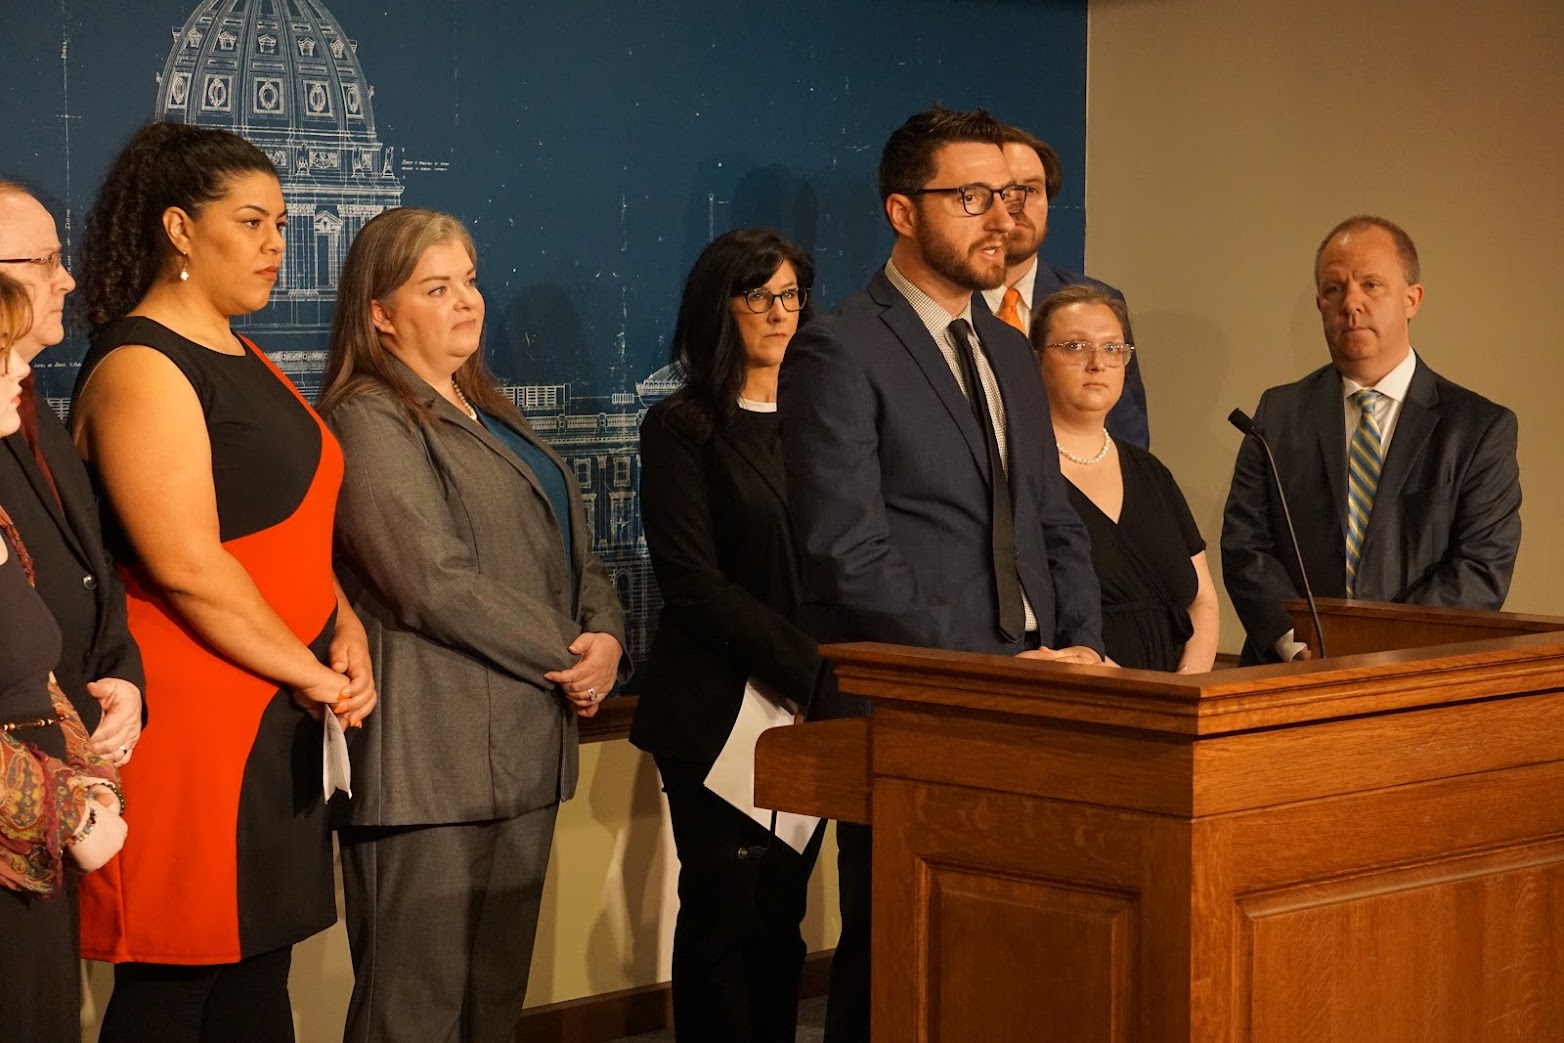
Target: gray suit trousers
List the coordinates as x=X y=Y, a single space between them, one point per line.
x=441 y=921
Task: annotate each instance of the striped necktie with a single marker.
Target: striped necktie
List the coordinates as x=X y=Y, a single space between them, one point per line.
x=1365 y=458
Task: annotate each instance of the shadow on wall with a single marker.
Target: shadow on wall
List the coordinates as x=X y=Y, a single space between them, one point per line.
x=826 y=205
x=1197 y=373
x=540 y=337
x=633 y=923
x=1305 y=337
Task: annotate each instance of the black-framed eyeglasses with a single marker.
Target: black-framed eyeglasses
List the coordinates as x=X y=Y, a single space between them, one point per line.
x=49 y=262
x=1077 y=352
x=978 y=200
x=759 y=300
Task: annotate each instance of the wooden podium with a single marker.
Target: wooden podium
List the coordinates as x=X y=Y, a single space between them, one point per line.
x=1364 y=848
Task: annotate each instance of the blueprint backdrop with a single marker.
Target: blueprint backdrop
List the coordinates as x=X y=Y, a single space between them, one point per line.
x=593 y=148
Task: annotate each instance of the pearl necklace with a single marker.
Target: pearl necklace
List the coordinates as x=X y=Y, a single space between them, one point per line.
x=466 y=405
x=1102 y=454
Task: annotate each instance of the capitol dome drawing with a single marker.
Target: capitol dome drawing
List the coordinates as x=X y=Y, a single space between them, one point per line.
x=285 y=75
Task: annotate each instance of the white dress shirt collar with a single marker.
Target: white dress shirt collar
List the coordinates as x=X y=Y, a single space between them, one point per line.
x=1392 y=385
x=933 y=313
x=1025 y=286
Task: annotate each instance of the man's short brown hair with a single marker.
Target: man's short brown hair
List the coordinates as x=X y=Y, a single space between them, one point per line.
x=907 y=161
x=1053 y=171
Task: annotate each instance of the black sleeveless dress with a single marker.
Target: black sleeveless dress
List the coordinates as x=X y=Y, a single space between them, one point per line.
x=229 y=853
x=1142 y=564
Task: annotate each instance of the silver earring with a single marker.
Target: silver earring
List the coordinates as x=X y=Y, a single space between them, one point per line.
x=184 y=268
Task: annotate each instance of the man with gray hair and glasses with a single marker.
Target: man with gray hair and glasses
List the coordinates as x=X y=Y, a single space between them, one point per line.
x=45 y=488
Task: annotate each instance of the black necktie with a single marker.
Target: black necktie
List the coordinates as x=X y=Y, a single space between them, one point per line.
x=1012 y=617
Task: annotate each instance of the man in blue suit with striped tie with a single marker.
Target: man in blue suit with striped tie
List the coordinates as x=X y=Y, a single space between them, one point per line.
x=1403 y=486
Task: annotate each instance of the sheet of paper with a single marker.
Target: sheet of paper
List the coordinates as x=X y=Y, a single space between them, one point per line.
x=732 y=777
x=336 y=773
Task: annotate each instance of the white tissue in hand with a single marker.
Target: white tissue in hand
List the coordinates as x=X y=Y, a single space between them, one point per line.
x=336 y=773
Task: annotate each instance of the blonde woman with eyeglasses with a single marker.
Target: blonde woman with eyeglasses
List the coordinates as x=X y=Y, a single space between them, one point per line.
x=1159 y=606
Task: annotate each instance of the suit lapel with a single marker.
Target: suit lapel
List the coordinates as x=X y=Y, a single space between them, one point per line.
x=17 y=446
x=1419 y=416
x=758 y=458
x=1330 y=431
x=903 y=321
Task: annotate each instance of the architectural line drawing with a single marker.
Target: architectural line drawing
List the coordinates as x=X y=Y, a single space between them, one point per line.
x=285 y=75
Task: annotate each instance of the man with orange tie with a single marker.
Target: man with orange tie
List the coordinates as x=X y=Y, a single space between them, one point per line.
x=1034 y=165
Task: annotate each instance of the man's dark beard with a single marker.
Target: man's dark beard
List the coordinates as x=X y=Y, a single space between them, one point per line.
x=947 y=261
x=1013 y=258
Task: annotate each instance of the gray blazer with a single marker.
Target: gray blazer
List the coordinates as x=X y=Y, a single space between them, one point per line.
x=452 y=557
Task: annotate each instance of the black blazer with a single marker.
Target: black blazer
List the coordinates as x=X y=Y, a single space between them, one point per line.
x=887 y=480
x=717 y=529
x=1445 y=526
x=68 y=546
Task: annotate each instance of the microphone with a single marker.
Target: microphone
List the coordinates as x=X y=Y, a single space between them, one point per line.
x=1241 y=420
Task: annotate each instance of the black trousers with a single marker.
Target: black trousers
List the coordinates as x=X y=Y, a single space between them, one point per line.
x=847 y=1008
x=244 y=1002
x=40 y=965
x=738 y=953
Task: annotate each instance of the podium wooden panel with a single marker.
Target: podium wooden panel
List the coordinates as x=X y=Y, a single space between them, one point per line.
x=1369 y=847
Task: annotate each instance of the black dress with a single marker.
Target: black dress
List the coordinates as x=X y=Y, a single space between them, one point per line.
x=39 y=988
x=1143 y=565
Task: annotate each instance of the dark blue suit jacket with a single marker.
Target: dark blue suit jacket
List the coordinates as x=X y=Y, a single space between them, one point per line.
x=1446 y=523
x=887 y=482
x=1127 y=421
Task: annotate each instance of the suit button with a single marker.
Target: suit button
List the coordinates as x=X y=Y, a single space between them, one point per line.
x=90 y=581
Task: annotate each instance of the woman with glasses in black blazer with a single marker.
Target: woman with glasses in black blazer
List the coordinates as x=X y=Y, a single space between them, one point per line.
x=714 y=505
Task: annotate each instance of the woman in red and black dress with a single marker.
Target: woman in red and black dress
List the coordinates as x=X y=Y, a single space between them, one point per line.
x=59 y=801
x=223 y=485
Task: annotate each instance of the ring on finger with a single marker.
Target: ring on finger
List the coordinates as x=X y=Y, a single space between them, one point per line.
x=592 y=694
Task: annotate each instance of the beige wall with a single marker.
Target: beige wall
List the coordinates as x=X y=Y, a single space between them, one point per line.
x=1225 y=137
x=608 y=904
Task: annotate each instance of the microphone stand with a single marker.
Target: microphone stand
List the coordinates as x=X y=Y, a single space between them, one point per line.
x=1239 y=419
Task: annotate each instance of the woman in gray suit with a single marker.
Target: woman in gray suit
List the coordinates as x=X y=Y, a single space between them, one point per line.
x=463 y=545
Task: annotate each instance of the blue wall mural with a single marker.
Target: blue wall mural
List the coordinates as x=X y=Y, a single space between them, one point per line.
x=592 y=148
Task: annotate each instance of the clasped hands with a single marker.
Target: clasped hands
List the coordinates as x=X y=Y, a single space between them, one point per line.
x=347 y=686
x=592 y=677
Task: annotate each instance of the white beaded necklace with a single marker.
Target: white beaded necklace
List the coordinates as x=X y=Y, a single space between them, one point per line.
x=466 y=405
x=1102 y=454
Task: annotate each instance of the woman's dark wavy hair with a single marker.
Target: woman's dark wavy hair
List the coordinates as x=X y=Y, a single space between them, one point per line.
x=707 y=345
x=163 y=165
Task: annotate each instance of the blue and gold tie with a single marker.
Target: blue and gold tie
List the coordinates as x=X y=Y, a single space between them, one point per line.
x=1365 y=458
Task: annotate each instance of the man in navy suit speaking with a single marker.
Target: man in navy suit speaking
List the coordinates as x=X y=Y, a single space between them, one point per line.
x=922 y=473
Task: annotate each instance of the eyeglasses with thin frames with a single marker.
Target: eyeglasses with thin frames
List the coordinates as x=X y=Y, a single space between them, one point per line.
x=49 y=262
x=760 y=299
x=1077 y=352
x=978 y=200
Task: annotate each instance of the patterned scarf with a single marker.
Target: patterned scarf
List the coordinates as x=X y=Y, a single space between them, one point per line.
x=41 y=796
